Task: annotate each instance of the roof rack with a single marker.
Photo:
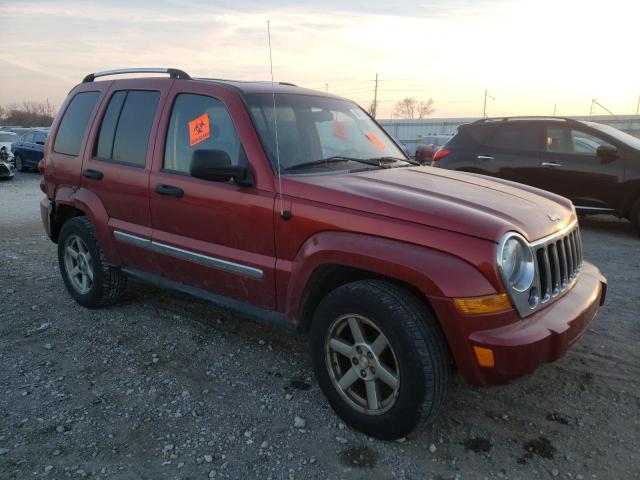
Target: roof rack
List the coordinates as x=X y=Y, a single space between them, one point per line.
x=229 y=80
x=173 y=73
x=523 y=117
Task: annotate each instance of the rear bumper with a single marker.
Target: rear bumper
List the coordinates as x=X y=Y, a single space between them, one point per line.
x=45 y=214
x=522 y=345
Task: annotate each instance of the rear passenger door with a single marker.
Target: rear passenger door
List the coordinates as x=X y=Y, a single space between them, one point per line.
x=118 y=162
x=216 y=236
x=512 y=152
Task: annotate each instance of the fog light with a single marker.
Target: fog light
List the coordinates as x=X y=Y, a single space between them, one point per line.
x=484 y=356
x=499 y=302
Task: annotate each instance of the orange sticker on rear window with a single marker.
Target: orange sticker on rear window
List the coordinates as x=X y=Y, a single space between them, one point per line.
x=375 y=140
x=199 y=129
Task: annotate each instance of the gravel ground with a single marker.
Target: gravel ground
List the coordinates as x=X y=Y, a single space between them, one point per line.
x=162 y=386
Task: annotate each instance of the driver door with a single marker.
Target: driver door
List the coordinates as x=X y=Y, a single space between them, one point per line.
x=572 y=168
x=216 y=236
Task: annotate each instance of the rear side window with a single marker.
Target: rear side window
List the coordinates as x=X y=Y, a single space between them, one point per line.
x=516 y=137
x=200 y=122
x=124 y=133
x=74 y=123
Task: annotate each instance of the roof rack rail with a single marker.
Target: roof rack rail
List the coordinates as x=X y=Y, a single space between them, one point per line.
x=230 y=80
x=173 y=73
x=523 y=117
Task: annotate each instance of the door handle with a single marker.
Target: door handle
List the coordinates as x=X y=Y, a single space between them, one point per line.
x=93 y=174
x=169 y=190
x=551 y=164
x=484 y=157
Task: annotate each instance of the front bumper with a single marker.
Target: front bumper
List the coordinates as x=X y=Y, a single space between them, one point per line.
x=519 y=346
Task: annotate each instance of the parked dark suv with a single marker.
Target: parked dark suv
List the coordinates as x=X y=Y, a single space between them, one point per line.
x=596 y=166
x=307 y=215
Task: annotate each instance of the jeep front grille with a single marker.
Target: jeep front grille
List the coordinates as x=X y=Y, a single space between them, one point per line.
x=558 y=262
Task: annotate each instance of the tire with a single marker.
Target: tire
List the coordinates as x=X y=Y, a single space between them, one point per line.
x=19 y=163
x=634 y=216
x=417 y=353
x=104 y=284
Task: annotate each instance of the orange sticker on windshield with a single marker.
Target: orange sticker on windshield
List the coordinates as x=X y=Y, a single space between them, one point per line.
x=339 y=130
x=199 y=129
x=375 y=140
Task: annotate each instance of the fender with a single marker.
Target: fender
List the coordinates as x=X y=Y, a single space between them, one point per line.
x=89 y=203
x=433 y=272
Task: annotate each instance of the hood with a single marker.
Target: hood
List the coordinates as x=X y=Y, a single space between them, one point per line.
x=466 y=203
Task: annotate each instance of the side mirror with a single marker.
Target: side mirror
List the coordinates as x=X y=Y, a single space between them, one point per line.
x=607 y=152
x=215 y=165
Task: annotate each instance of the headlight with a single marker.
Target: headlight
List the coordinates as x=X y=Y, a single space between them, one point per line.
x=515 y=261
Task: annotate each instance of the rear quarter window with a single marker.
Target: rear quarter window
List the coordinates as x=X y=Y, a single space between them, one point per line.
x=74 y=123
x=472 y=136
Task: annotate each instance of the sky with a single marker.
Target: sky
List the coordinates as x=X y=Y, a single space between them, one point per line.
x=531 y=56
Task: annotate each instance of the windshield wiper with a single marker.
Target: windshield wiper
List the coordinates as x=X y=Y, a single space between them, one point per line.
x=394 y=159
x=338 y=158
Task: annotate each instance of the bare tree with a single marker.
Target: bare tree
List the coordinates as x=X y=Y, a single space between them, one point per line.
x=28 y=114
x=406 y=107
x=425 y=108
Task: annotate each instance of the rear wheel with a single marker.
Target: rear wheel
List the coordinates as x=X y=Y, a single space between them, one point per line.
x=380 y=358
x=19 y=163
x=88 y=278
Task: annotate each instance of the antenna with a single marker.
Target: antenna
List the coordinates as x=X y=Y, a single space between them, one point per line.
x=286 y=215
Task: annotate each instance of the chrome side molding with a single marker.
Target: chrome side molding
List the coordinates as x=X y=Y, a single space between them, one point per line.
x=188 y=255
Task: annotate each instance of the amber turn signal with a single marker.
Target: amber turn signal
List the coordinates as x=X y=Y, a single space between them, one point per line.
x=484 y=356
x=498 y=302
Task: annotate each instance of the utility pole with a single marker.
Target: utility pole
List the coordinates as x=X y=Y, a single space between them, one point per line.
x=554 y=109
x=375 y=99
x=484 y=108
x=596 y=102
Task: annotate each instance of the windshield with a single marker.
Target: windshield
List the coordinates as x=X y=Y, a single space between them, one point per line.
x=617 y=134
x=319 y=134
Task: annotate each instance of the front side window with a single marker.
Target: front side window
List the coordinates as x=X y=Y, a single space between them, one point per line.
x=74 y=123
x=586 y=144
x=566 y=140
x=124 y=133
x=314 y=130
x=199 y=122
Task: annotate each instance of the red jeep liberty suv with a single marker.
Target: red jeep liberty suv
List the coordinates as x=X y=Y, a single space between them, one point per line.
x=295 y=208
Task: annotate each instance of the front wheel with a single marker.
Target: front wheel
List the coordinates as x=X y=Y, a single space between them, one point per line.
x=88 y=278
x=380 y=358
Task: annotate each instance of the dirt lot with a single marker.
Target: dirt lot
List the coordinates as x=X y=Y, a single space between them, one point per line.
x=162 y=386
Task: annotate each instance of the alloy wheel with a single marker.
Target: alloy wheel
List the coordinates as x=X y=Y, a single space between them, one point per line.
x=362 y=364
x=78 y=264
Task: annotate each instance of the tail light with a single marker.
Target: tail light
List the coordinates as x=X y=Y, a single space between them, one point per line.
x=41 y=164
x=440 y=154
